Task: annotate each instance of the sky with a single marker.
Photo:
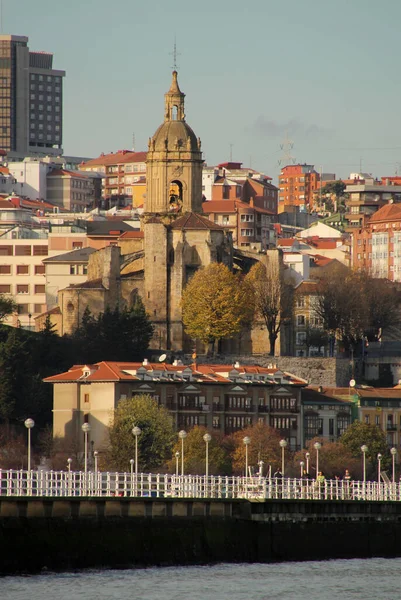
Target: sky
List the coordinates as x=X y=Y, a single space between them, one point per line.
x=322 y=74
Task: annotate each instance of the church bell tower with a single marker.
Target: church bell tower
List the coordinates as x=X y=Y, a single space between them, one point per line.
x=174 y=161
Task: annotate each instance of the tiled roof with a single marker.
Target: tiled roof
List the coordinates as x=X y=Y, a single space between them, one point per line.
x=65 y=172
x=388 y=212
x=193 y=221
x=79 y=255
x=116 y=371
x=115 y=158
x=128 y=235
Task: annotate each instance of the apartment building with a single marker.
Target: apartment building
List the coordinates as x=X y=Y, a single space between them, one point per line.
x=31 y=100
x=123 y=177
x=365 y=199
x=72 y=190
x=376 y=248
x=225 y=398
x=297 y=185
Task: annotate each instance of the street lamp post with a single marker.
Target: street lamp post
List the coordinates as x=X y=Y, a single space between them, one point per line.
x=283 y=445
x=307 y=456
x=261 y=463
x=95 y=455
x=86 y=429
x=182 y=435
x=29 y=423
x=69 y=461
x=177 y=457
x=364 y=449
x=207 y=437
x=379 y=466
x=247 y=441
x=136 y=432
x=302 y=464
x=393 y=455
x=317 y=446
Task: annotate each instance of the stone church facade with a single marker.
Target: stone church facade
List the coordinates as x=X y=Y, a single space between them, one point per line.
x=177 y=239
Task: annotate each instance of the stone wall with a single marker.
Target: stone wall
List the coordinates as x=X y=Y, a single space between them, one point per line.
x=328 y=372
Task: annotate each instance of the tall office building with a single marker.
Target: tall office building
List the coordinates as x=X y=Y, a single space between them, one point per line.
x=31 y=100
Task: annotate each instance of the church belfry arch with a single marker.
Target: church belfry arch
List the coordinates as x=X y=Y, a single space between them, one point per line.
x=174 y=160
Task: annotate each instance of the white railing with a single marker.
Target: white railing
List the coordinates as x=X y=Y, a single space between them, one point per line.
x=74 y=483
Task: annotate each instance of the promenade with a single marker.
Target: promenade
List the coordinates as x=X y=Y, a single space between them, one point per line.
x=148 y=485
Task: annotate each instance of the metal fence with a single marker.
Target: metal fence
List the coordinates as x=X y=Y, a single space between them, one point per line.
x=105 y=484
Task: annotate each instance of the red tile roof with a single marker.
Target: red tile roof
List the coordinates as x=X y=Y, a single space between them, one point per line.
x=116 y=158
x=193 y=221
x=388 y=212
x=131 y=235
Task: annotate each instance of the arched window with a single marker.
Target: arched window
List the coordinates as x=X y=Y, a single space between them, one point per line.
x=174 y=113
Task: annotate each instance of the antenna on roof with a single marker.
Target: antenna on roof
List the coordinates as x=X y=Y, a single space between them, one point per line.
x=133 y=142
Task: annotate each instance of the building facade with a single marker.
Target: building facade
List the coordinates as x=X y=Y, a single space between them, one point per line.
x=297 y=184
x=223 y=398
x=31 y=100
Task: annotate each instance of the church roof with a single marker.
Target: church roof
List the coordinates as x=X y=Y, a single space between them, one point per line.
x=79 y=255
x=193 y=221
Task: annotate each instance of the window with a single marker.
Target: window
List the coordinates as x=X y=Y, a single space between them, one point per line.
x=40 y=289
x=301 y=338
x=5 y=269
x=22 y=269
x=226 y=219
x=23 y=309
x=39 y=308
x=40 y=250
x=23 y=250
x=77 y=245
x=40 y=269
x=73 y=269
x=300 y=319
x=300 y=302
x=86 y=397
x=22 y=288
x=6 y=250
x=5 y=289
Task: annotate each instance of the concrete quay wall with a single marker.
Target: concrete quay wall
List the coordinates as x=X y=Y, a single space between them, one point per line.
x=64 y=534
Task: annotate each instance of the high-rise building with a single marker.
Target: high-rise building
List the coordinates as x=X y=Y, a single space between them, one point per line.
x=31 y=100
x=297 y=184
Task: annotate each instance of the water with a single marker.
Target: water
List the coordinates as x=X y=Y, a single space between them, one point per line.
x=368 y=579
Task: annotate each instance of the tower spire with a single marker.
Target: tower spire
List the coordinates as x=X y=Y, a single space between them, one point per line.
x=174 y=54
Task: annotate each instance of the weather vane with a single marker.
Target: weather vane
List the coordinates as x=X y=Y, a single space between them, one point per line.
x=174 y=54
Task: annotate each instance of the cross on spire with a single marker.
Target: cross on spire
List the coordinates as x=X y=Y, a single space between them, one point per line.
x=174 y=54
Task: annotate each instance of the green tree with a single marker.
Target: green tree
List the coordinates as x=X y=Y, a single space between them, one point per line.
x=273 y=298
x=359 y=434
x=264 y=446
x=155 y=441
x=333 y=460
x=16 y=403
x=215 y=304
x=195 y=454
x=113 y=335
x=7 y=307
x=315 y=338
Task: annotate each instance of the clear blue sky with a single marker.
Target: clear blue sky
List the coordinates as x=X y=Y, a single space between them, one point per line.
x=326 y=72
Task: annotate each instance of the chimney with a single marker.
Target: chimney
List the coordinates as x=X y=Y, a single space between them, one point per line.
x=145 y=362
x=236 y=365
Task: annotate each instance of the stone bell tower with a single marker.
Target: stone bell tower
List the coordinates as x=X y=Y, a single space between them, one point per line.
x=174 y=161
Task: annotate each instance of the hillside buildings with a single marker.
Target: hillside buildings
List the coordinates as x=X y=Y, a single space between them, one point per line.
x=31 y=100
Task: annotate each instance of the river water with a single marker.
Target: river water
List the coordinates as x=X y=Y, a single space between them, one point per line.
x=369 y=579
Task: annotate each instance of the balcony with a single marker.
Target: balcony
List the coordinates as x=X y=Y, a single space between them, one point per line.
x=239 y=409
x=263 y=409
x=391 y=427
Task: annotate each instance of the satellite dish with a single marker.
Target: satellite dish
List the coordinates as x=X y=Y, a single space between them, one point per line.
x=352 y=383
x=162 y=357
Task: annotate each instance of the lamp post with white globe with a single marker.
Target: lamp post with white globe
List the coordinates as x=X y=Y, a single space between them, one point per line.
x=393 y=452
x=29 y=423
x=182 y=435
x=247 y=441
x=283 y=446
x=317 y=446
x=207 y=438
x=86 y=429
x=364 y=449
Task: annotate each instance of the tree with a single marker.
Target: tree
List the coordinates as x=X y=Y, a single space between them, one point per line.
x=215 y=304
x=113 y=335
x=7 y=307
x=315 y=338
x=384 y=304
x=155 y=441
x=195 y=454
x=359 y=434
x=333 y=459
x=264 y=446
x=273 y=297
x=343 y=306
